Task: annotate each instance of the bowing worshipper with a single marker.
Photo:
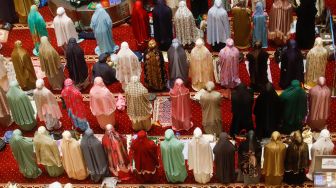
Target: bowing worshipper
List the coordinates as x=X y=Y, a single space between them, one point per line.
x=249 y=156
x=103 y=70
x=211 y=110
x=64 y=28
x=260 y=25
x=128 y=65
x=200 y=157
x=23 y=152
x=241 y=103
x=319 y=105
x=140 y=23
x=180 y=106
x=274 y=156
x=292 y=66
x=139 y=108
x=21 y=108
x=37 y=27
x=258 y=65
x=228 y=64
x=115 y=146
x=305 y=25
x=201 y=68
x=8 y=14
x=224 y=152
x=144 y=153
x=72 y=157
x=22 y=8
x=241 y=25
x=47 y=106
x=101 y=25
x=154 y=67
x=317 y=59
x=163 y=26
x=5 y=116
x=76 y=65
x=297 y=160
x=294 y=107
x=322 y=146
x=94 y=155
x=75 y=106
x=23 y=67
x=4 y=83
x=199 y=7
x=218 y=26
x=266 y=110
x=178 y=66
x=51 y=64
x=47 y=153
x=172 y=158
x=280 y=21
x=102 y=103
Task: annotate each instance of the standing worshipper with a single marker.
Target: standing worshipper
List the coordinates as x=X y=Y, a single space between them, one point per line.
x=228 y=64
x=103 y=70
x=127 y=65
x=294 y=103
x=5 y=116
x=199 y=7
x=154 y=67
x=76 y=65
x=180 y=106
x=21 y=108
x=139 y=108
x=201 y=68
x=260 y=25
x=140 y=23
x=23 y=152
x=102 y=103
x=178 y=63
x=172 y=158
x=280 y=20
x=4 y=63
x=22 y=8
x=74 y=103
x=305 y=25
x=37 y=27
x=218 y=26
x=224 y=152
x=163 y=26
x=51 y=64
x=47 y=106
x=8 y=14
x=23 y=67
x=101 y=25
x=241 y=25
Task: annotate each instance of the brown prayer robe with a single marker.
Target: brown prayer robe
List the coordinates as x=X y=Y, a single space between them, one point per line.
x=241 y=26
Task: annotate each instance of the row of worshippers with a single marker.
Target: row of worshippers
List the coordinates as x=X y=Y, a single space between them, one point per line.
x=111 y=157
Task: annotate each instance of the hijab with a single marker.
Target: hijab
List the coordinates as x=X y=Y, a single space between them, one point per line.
x=140 y=22
x=73 y=99
x=49 y=58
x=178 y=65
x=36 y=23
x=259 y=9
x=320 y=97
x=102 y=69
x=297 y=155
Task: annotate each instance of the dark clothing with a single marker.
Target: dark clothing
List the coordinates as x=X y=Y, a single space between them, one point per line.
x=199 y=7
x=102 y=69
x=178 y=65
x=7 y=12
x=258 y=68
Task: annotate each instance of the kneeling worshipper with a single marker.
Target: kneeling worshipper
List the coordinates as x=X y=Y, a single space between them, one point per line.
x=178 y=63
x=139 y=108
x=144 y=153
x=154 y=67
x=128 y=65
x=51 y=64
x=8 y=14
x=322 y=146
x=241 y=25
x=21 y=108
x=22 y=8
x=180 y=106
x=23 y=152
x=37 y=27
x=72 y=157
x=274 y=160
x=260 y=25
x=5 y=115
x=102 y=103
x=201 y=68
x=319 y=105
x=140 y=23
x=211 y=110
x=47 y=153
x=74 y=104
x=103 y=70
x=294 y=107
x=224 y=152
x=76 y=65
x=47 y=106
x=101 y=25
x=172 y=158
x=23 y=67
x=115 y=146
x=94 y=155
x=200 y=157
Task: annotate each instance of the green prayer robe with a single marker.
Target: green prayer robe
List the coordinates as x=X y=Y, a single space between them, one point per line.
x=23 y=152
x=172 y=158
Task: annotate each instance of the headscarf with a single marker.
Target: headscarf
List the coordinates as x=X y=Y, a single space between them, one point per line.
x=73 y=99
x=64 y=27
x=36 y=23
x=102 y=69
x=259 y=9
x=3 y=69
x=140 y=22
x=49 y=58
x=99 y=15
x=178 y=65
x=180 y=97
